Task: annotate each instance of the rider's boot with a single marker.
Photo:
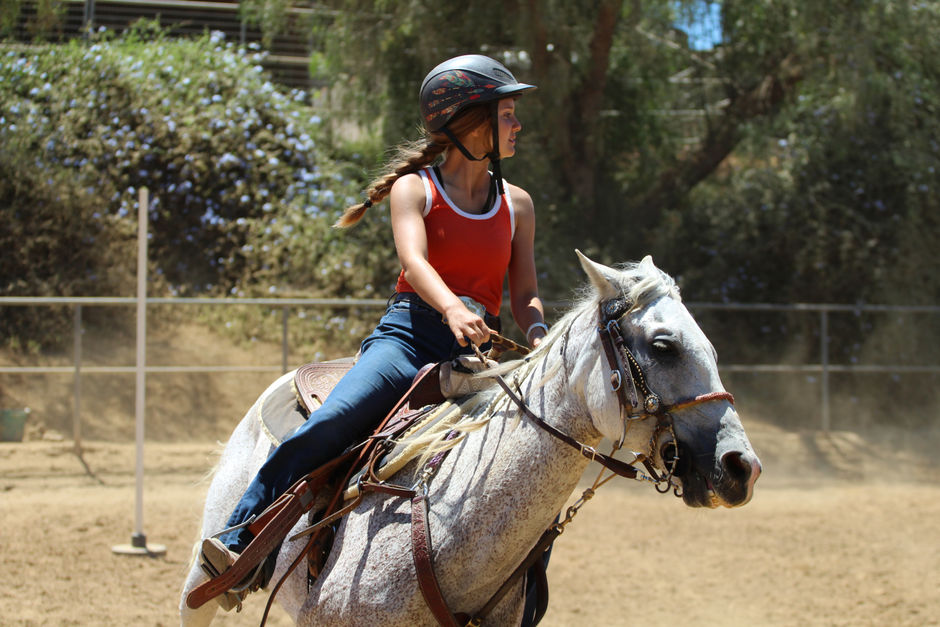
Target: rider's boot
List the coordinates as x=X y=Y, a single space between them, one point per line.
x=215 y=559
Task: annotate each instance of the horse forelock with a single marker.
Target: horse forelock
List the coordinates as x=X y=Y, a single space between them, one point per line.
x=646 y=283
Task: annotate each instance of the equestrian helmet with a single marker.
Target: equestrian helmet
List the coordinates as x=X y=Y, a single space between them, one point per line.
x=463 y=81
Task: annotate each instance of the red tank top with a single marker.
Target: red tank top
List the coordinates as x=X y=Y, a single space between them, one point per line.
x=470 y=251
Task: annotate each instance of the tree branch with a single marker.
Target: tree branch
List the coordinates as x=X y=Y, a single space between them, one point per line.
x=722 y=137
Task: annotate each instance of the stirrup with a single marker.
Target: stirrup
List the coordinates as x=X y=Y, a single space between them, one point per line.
x=215 y=559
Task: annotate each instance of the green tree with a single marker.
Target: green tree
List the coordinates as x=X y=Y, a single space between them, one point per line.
x=56 y=242
x=598 y=155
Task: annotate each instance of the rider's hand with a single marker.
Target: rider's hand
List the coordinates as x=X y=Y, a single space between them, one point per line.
x=466 y=325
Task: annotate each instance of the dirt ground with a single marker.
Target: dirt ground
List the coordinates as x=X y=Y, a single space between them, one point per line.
x=843 y=529
x=841 y=532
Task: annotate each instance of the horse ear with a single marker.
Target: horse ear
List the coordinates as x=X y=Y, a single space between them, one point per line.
x=603 y=279
x=647 y=264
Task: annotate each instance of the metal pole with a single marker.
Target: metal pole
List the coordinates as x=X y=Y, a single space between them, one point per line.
x=141 y=383
x=77 y=381
x=138 y=545
x=88 y=21
x=284 y=315
x=824 y=359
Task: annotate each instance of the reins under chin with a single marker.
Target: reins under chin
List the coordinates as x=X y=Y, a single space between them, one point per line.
x=613 y=464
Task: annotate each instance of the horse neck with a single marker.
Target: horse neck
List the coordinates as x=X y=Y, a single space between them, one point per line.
x=530 y=458
x=511 y=479
x=560 y=382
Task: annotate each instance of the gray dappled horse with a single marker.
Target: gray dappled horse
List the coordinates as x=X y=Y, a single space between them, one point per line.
x=506 y=478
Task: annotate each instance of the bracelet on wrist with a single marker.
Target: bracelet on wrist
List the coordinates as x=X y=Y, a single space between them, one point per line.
x=536 y=325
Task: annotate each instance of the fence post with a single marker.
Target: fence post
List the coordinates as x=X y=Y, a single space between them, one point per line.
x=285 y=311
x=77 y=381
x=824 y=359
x=138 y=545
x=88 y=19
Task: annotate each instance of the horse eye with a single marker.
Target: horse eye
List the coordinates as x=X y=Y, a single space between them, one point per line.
x=664 y=348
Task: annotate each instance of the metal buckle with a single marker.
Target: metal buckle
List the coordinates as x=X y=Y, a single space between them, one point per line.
x=616 y=380
x=589 y=450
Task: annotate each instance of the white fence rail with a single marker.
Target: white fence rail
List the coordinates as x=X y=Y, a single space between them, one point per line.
x=824 y=368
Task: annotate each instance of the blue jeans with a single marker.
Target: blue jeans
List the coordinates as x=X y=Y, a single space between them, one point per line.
x=409 y=335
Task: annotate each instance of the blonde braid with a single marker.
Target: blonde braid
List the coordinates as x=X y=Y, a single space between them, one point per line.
x=410 y=157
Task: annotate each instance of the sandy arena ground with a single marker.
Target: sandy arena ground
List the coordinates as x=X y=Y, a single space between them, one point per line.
x=839 y=533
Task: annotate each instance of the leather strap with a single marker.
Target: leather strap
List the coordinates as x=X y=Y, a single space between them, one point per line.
x=280 y=517
x=538 y=570
x=611 y=463
x=391 y=425
x=617 y=371
x=548 y=536
x=421 y=553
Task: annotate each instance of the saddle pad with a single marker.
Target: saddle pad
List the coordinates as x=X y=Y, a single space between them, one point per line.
x=278 y=411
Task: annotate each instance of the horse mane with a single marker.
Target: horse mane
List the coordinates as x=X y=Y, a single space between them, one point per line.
x=639 y=283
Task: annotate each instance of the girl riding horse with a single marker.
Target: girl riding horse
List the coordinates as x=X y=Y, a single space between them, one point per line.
x=459 y=228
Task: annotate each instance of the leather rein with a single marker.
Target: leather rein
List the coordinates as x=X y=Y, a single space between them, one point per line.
x=637 y=402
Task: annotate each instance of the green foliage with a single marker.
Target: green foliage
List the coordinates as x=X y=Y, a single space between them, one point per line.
x=836 y=199
x=44 y=21
x=9 y=14
x=56 y=242
x=797 y=161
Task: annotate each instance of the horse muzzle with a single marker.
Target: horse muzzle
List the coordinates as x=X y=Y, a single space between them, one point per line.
x=730 y=483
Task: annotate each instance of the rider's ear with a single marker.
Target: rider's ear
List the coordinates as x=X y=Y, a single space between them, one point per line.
x=603 y=279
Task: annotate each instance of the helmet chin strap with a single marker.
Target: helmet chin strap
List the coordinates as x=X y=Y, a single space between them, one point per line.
x=493 y=156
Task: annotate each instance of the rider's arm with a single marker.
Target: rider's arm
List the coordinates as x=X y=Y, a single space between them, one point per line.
x=526 y=305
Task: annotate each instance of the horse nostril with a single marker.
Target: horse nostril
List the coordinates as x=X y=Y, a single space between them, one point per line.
x=736 y=467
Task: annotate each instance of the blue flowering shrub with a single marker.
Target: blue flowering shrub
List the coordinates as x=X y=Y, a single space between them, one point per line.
x=243 y=183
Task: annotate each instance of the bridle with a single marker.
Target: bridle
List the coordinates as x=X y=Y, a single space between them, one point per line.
x=637 y=400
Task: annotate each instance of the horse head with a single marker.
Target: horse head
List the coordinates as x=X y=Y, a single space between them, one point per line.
x=665 y=399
